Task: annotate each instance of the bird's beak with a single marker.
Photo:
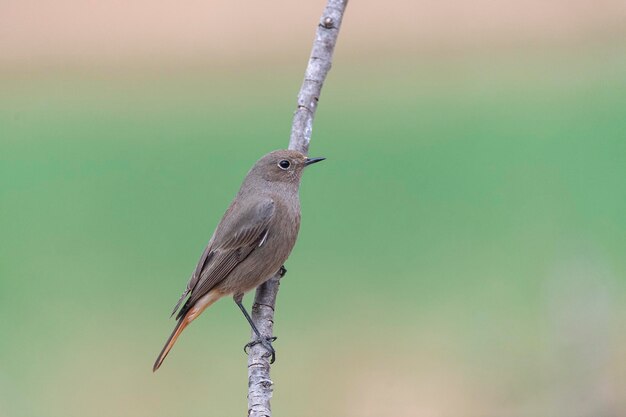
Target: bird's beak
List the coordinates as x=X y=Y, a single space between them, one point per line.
x=311 y=161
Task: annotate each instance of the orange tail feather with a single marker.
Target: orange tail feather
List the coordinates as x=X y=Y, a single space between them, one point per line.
x=193 y=312
x=180 y=326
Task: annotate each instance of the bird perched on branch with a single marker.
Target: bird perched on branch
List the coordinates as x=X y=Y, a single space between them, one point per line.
x=250 y=244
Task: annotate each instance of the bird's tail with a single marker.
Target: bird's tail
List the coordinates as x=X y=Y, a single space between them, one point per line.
x=189 y=314
x=180 y=326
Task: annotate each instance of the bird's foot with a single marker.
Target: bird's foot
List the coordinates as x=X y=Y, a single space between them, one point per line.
x=267 y=344
x=282 y=271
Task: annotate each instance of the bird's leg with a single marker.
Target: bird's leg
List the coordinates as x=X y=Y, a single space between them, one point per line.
x=265 y=341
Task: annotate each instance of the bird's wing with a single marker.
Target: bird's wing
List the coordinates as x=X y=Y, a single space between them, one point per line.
x=237 y=235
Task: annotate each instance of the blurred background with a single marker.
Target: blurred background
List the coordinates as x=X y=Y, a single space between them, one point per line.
x=462 y=251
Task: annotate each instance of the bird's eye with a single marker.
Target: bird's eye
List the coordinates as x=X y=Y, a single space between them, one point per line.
x=284 y=164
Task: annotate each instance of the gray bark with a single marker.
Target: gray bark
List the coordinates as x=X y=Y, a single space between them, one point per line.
x=260 y=386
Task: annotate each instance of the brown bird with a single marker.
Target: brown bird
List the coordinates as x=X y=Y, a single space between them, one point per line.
x=251 y=242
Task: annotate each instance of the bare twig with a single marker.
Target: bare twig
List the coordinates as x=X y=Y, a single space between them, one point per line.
x=259 y=382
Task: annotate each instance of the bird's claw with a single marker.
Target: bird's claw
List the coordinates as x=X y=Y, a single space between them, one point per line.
x=267 y=344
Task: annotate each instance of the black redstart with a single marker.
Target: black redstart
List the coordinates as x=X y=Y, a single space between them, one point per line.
x=251 y=242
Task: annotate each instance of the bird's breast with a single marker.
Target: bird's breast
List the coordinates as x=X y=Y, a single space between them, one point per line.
x=284 y=227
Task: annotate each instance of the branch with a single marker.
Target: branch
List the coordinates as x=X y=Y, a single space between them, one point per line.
x=315 y=74
x=259 y=382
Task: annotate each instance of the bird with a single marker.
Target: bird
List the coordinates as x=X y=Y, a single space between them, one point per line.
x=250 y=244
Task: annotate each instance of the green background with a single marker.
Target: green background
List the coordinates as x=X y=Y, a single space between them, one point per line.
x=461 y=251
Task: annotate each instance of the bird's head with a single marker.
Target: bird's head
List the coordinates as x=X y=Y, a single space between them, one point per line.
x=282 y=166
